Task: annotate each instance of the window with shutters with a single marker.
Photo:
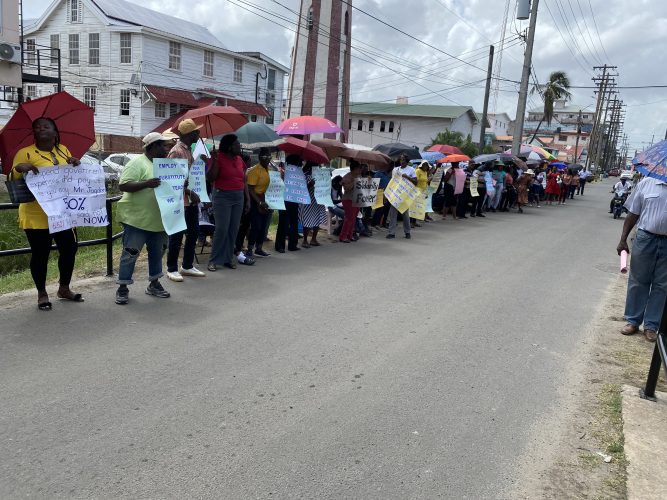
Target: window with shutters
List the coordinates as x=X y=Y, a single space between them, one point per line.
x=391 y=127
x=94 y=49
x=209 y=58
x=90 y=96
x=160 y=110
x=30 y=53
x=371 y=125
x=175 y=56
x=173 y=109
x=238 y=70
x=31 y=91
x=360 y=125
x=75 y=11
x=125 y=102
x=382 y=126
x=74 y=49
x=126 y=48
x=55 y=49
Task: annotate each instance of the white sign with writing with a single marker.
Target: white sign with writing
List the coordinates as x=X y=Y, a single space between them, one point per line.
x=70 y=196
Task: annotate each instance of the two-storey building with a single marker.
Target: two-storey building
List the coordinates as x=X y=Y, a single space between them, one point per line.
x=140 y=68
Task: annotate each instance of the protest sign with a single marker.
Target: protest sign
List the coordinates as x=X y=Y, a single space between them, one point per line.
x=418 y=208
x=200 y=149
x=169 y=194
x=429 y=199
x=275 y=193
x=322 y=178
x=197 y=180
x=364 y=192
x=70 y=196
x=460 y=180
x=296 y=188
x=473 y=187
x=401 y=193
x=437 y=177
x=379 y=199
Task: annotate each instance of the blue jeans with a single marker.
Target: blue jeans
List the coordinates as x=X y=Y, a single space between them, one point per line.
x=134 y=240
x=647 y=285
x=227 y=210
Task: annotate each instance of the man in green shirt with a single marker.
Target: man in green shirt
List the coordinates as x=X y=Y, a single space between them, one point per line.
x=139 y=213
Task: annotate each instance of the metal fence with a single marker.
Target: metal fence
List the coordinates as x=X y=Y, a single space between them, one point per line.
x=108 y=239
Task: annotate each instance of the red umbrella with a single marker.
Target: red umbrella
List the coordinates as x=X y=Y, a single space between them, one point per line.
x=367 y=157
x=305 y=125
x=331 y=147
x=454 y=158
x=445 y=149
x=217 y=120
x=75 y=122
x=306 y=150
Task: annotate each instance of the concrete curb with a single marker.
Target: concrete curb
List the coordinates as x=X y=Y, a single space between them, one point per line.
x=645 y=430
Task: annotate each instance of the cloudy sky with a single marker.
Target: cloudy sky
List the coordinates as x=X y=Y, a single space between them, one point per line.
x=572 y=35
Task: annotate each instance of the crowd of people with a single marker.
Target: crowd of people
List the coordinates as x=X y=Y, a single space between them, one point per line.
x=238 y=218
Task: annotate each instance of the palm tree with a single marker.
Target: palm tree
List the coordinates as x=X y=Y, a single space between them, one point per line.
x=558 y=87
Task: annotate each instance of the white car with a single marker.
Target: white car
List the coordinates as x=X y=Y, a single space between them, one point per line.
x=117 y=161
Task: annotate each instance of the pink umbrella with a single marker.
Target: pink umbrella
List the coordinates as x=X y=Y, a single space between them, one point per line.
x=305 y=125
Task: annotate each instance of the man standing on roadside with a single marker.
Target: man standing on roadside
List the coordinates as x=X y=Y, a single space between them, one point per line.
x=583 y=177
x=408 y=172
x=188 y=134
x=139 y=213
x=647 y=284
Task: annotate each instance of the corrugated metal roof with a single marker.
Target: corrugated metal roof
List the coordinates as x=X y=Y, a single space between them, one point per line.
x=420 y=110
x=137 y=15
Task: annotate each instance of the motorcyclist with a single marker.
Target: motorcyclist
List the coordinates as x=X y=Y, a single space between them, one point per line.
x=621 y=188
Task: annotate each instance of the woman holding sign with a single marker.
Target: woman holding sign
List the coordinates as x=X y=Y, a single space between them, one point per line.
x=46 y=151
x=312 y=215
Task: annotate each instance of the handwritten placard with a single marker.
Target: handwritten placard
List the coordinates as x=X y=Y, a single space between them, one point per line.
x=365 y=191
x=473 y=187
x=322 y=178
x=460 y=180
x=197 y=180
x=70 y=196
x=275 y=193
x=437 y=177
x=296 y=188
x=401 y=193
x=379 y=199
x=418 y=207
x=172 y=173
x=429 y=199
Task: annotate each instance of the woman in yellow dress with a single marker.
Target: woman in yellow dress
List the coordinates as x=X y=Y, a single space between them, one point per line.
x=46 y=151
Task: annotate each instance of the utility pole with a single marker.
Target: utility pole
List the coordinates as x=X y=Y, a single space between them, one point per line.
x=486 y=99
x=525 y=78
x=576 y=146
x=603 y=130
x=596 y=118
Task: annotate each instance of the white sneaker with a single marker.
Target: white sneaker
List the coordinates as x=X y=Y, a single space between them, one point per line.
x=192 y=272
x=175 y=276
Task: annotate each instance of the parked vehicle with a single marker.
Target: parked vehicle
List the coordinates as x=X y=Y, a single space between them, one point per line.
x=613 y=172
x=111 y=176
x=117 y=161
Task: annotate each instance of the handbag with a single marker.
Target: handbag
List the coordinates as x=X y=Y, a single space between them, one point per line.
x=18 y=190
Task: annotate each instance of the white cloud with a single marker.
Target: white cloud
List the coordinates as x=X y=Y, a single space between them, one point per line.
x=632 y=33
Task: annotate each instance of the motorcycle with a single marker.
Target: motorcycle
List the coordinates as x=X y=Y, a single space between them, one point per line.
x=617 y=205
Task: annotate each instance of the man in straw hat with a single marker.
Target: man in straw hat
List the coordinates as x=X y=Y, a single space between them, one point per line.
x=188 y=134
x=139 y=213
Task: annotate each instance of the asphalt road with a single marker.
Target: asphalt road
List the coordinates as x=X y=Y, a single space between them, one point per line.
x=382 y=369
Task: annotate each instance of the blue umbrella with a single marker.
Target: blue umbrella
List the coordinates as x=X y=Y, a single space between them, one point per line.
x=432 y=156
x=653 y=161
x=559 y=165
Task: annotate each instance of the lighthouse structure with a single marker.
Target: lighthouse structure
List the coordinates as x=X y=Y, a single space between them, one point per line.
x=319 y=83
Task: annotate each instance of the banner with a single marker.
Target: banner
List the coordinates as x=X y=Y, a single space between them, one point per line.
x=172 y=173
x=275 y=193
x=365 y=191
x=70 y=196
x=379 y=199
x=296 y=188
x=401 y=193
x=197 y=180
x=322 y=178
x=473 y=187
x=460 y=180
x=437 y=177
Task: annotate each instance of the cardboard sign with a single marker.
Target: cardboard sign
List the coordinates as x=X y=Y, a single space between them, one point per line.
x=70 y=196
x=365 y=192
x=322 y=178
x=296 y=188
x=473 y=187
x=275 y=193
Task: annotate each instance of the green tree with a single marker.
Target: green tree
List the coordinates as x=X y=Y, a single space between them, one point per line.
x=457 y=139
x=558 y=87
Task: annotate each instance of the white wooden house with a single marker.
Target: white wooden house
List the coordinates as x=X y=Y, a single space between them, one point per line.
x=140 y=68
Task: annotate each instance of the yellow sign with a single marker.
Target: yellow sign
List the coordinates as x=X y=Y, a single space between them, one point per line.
x=401 y=193
x=437 y=177
x=418 y=208
x=379 y=200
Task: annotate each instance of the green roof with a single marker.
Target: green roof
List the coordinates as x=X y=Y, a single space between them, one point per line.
x=420 y=110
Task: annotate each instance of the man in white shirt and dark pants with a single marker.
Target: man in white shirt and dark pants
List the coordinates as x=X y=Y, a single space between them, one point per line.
x=407 y=172
x=647 y=285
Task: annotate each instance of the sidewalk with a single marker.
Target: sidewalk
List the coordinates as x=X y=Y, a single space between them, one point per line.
x=645 y=430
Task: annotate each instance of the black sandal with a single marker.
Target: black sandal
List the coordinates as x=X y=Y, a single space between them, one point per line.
x=212 y=267
x=74 y=297
x=45 y=306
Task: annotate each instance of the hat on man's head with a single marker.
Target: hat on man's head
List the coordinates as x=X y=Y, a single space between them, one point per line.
x=153 y=137
x=188 y=125
x=530 y=171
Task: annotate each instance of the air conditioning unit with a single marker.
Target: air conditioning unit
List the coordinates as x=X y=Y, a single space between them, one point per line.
x=10 y=53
